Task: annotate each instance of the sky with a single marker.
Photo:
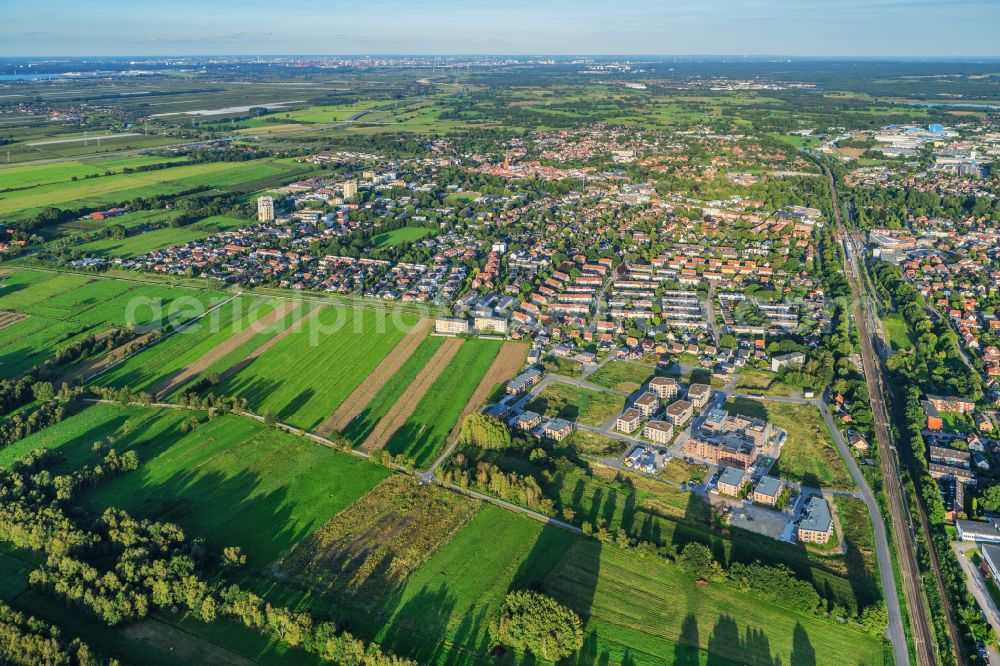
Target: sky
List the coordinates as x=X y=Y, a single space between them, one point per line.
x=931 y=28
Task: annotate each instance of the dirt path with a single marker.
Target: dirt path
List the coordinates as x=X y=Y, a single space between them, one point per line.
x=374 y=382
x=508 y=362
x=167 y=385
x=407 y=402
x=270 y=343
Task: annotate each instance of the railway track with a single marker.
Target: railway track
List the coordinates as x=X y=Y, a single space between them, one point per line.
x=899 y=517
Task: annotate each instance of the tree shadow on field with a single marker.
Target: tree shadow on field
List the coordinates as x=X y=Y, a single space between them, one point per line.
x=727 y=647
x=295 y=404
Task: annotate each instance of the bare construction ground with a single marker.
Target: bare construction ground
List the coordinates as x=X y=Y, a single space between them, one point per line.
x=374 y=382
x=270 y=343
x=220 y=351
x=507 y=363
x=407 y=403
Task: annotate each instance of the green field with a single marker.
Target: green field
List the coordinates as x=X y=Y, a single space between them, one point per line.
x=108 y=190
x=621 y=376
x=35 y=176
x=403 y=235
x=61 y=308
x=163 y=237
x=809 y=455
x=363 y=424
x=897 y=331
x=231 y=480
x=424 y=433
x=173 y=354
x=305 y=377
x=653 y=613
x=577 y=404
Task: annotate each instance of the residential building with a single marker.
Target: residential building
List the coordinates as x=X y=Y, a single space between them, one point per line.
x=665 y=388
x=951 y=404
x=679 y=412
x=490 y=325
x=629 y=421
x=527 y=421
x=558 y=429
x=951 y=457
x=699 y=394
x=768 y=490
x=991 y=560
x=451 y=326
x=817 y=525
x=523 y=381
x=647 y=404
x=734 y=452
x=265 y=209
x=782 y=360
x=350 y=189
x=659 y=432
x=731 y=481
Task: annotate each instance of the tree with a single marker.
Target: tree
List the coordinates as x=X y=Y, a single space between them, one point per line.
x=696 y=559
x=485 y=432
x=536 y=623
x=233 y=557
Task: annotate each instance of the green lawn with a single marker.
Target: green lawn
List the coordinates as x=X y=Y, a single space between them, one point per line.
x=653 y=613
x=363 y=424
x=577 y=404
x=424 y=433
x=809 y=455
x=621 y=376
x=305 y=377
x=403 y=235
x=897 y=331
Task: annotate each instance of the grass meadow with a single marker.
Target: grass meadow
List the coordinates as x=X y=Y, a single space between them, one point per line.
x=621 y=376
x=303 y=379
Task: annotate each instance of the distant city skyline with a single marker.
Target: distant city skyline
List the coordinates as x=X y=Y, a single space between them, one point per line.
x=894 y=28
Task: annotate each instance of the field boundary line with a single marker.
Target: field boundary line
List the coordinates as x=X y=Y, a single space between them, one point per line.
x=407 y=403
x=205 y=361
x=377 y=379
x=188 y=324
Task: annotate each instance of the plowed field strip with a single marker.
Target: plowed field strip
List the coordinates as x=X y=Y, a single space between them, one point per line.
x=404 y=407
x=374 y=382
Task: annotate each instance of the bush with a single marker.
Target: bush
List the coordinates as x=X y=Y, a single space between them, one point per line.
x=533 y=622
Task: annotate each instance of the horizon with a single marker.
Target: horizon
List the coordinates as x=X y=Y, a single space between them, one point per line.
x=681 y=28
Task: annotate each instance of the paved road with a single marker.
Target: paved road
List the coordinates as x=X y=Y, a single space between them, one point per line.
x=977 y=585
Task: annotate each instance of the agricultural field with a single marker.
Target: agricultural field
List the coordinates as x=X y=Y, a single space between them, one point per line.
x=656 y=614
x=362 y=425
x=809 y=455
x=47 y=311
x=113 y=189
x=424 y=433
x=17 y=178
x=305 y=377
x=621 y=376
x=156 y=239
x=574 y=403
x=370 y=548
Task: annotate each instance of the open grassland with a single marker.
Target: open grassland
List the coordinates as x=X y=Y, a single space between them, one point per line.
x=621 y=376
x=17 y=178
x=49 y=311
x=105 y=190
x=898 y=332
x=362 y=425
x=425 y=431
x=654 y=613
x=371 y=547
x=575 y=403
x=163 y=237
x=404 y=235
x=808 y=455
x=231 y=480
x=305 y=377
x=761 y=382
